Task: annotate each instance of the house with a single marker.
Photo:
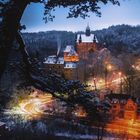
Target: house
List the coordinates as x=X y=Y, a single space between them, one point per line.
x=54 y=64
x=123 y=106
x=130 y=110
x=70 y=55
x=66 y=65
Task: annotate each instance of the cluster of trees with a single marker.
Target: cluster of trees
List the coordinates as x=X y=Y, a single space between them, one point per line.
x=121 y=38
x=131 y=80
x=47 y=43
x=118 y=39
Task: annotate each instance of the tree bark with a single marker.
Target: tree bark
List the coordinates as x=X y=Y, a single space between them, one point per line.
x=11 y=17
x=25 y=56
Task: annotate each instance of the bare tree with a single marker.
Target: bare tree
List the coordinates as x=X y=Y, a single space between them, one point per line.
x=130 y=77
x=12 y=11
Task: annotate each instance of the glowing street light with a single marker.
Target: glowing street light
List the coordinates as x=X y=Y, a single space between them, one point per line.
x=120 y=76
x=120 y=73
x=109 y=67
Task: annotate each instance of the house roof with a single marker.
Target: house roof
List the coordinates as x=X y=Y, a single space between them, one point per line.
x=120 y=97
x=70 y=65
x=70 y=50
x=2 y=124
x=53 y=59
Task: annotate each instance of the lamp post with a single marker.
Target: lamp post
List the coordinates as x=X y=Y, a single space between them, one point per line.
x=120 y=77
x=108 y=67
x=106 y=73
x=94 y=80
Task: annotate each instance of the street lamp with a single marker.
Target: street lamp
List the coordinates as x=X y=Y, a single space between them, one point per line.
x=108 y=67
x=120 y=76
x=94 y=80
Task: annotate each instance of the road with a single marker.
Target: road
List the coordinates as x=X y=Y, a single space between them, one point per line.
x=32 y=107
x=128 y=127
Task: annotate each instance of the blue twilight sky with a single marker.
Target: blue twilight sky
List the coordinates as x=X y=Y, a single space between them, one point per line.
x=127 y=13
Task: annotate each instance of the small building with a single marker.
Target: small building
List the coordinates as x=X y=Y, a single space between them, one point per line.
x=70 y=55
x=138 y=107
x=123 y=106
x=54 y=64
x=65 y=66
x=130 y=110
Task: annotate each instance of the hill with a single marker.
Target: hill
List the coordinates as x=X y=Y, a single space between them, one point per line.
x=118 y=39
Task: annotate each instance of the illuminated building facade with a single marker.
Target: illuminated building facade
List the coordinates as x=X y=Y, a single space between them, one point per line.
x=123 y=106
x=70 y=55
x=130 y=110
x=75 y=64
x=65 y=66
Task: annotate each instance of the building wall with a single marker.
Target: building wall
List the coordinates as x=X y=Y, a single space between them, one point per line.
x=81 y=72
x=56 y=68
x=130 y=110
x=70 y=73
x=115 y=109
x=72 y=58
x=126 y=110
x=83 y=49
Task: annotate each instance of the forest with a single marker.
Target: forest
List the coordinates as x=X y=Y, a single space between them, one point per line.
x=118 y=39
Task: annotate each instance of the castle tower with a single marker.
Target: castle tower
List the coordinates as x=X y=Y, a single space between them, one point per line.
x=88 y=30
x=85 y=43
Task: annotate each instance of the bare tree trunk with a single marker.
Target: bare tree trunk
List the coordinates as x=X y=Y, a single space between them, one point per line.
x=13 y=12
x=25 y=56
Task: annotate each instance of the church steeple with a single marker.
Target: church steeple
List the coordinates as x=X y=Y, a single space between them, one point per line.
x=88 y=30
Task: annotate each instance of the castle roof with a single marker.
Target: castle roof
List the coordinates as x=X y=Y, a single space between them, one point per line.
x=86 y=39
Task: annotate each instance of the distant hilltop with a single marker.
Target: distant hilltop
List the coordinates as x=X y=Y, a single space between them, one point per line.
x=118 y=39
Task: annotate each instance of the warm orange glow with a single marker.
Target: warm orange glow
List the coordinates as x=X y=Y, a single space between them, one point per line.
x=120 y=73
x=71 y=58
x=109 y=67
x=130 y=128
x=80 y=112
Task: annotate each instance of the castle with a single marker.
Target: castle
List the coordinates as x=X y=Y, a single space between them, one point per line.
x=72 y=64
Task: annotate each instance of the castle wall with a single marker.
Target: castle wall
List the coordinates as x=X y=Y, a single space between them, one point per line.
x=55 y=68
x=83 y=49
x=70 y=73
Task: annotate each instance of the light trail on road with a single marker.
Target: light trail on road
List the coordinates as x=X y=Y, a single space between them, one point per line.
x=33 y=107
x=127 y=127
